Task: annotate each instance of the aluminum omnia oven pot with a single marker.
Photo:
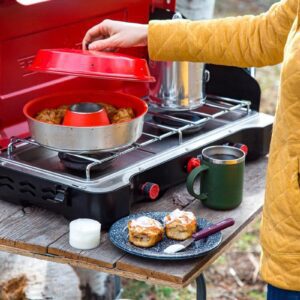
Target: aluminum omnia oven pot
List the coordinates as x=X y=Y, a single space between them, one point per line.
x=86 y=139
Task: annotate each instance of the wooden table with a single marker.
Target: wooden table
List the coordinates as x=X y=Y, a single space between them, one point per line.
x=41 y=234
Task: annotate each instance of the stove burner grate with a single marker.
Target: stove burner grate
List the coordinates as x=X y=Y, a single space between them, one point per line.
x=75 y=163
x=184 y=124
x=179 y=119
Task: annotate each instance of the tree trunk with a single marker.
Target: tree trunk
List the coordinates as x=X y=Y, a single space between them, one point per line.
x=196 y=9
x=96 y=285
x=29 y=278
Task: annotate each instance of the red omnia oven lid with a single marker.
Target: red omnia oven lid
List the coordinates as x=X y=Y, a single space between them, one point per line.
x=105 y=65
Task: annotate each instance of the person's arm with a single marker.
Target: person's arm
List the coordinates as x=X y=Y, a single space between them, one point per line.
x=111 y=35
x=237 y=41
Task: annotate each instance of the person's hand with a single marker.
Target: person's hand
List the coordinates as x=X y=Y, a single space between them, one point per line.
x=110 y=35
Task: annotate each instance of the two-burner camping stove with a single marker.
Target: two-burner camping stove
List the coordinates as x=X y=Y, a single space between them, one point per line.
x=104 y=186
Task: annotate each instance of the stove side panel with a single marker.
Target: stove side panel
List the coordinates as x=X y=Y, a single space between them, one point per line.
x=26 y=190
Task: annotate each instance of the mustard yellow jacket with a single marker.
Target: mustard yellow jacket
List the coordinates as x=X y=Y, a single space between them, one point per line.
x=267 y=39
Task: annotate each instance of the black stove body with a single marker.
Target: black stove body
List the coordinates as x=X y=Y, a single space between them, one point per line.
x=33 y=175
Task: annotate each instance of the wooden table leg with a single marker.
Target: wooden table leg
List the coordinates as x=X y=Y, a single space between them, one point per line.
x=201 y=287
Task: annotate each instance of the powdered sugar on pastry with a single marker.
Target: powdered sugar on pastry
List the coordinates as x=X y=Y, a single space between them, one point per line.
x=146 y=222
x=184 y=217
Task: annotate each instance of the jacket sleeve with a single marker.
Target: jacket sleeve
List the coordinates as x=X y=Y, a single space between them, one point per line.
x=235 y=41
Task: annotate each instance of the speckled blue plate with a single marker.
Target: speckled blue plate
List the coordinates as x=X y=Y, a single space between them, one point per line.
x=118 y=235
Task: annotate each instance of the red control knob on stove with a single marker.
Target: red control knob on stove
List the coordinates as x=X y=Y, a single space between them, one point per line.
x=243 y=147
x=193 y=163
x=151 y=190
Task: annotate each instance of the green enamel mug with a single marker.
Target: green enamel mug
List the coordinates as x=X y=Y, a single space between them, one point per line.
x=221 y=177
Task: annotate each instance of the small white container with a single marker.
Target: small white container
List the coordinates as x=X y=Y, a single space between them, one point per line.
x=84 y=234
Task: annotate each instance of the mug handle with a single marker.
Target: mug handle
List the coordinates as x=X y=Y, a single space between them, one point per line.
x=191 y=181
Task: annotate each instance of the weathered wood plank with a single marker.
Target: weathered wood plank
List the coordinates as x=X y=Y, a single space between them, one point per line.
x=179 y=272
x=106 y=255
x=39 y=233
x=86 y=265
x=32 y=229
x=61 y=247
x=8 y=209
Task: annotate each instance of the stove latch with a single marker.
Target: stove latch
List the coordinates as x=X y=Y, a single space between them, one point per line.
x=60 y=196
x=57 y=196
